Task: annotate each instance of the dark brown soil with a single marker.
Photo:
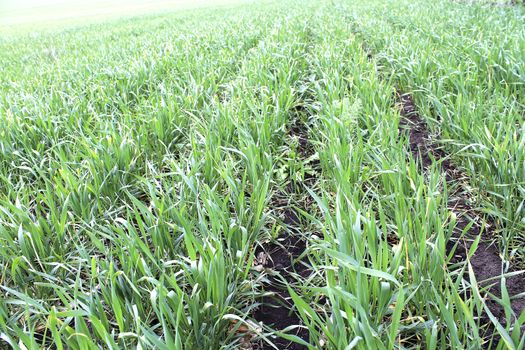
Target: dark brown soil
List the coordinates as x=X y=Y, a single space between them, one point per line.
x=277 y=311
x=486 y=261
x=283 y=257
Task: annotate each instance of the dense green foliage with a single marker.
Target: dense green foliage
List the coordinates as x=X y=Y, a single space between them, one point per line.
x=139 y=158
x=467 y=71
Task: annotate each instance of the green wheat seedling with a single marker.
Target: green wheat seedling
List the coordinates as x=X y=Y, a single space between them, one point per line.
x=145 y=164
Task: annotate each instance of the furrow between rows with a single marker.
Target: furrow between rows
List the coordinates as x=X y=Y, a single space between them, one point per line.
x=471 y=229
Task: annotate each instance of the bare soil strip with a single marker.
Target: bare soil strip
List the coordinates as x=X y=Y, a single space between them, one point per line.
x=281 y=258
x=486 y=261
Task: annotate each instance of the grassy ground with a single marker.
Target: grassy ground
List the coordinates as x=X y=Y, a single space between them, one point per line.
x=32 y=15
x=150 y=167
